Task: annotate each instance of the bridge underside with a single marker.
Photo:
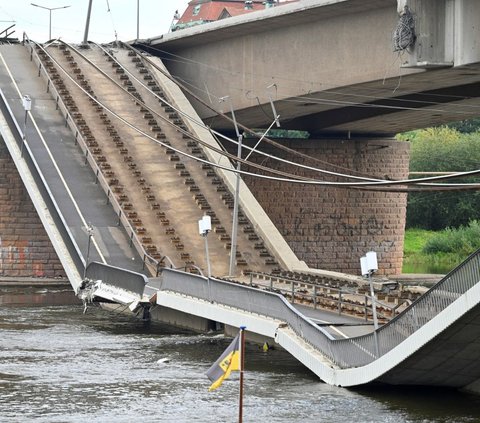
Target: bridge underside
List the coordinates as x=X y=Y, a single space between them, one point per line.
x=383 y=108
x=451 y=359
x=331 y=69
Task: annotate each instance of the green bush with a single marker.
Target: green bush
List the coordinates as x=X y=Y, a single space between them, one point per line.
x=462 y=241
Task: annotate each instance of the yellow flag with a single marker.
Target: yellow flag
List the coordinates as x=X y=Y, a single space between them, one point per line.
x=227 y=362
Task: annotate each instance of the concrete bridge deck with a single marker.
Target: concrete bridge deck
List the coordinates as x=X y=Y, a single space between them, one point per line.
x=433 y=342
x=79 y=200
x=159 y=194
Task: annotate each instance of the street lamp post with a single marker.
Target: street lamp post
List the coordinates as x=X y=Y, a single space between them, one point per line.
x=50 y=13
x=204 y=227
x=369 y=266
x=233 y=245
x=87 y=24
x=27 y=106
x=138 y=19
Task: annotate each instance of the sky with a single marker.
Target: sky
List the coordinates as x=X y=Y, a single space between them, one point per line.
x=108 y=17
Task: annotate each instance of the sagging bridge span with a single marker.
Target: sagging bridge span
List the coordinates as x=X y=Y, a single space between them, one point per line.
x=142 y=203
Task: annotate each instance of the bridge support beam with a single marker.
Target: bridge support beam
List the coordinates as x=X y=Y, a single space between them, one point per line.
x=331 y=228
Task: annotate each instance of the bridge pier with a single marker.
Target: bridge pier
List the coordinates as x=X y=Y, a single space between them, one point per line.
x=331 y=228
x=25 y=249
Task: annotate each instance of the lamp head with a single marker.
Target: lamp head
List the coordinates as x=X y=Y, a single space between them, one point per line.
x=27 y=103
x=372 y=262
x=205 y=225
x=363 y=265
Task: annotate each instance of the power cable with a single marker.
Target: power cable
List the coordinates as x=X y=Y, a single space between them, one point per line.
x=296 y=179
x=243 y=127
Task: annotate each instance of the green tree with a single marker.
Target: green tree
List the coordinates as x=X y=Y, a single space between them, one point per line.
x=443 y=149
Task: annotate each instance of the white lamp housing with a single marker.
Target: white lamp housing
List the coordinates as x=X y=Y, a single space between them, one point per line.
x=27 y=103
x=363 y=265
x=372 y=264
x=205 y=225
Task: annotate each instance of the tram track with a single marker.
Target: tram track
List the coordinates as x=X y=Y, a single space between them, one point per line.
x=258 y=247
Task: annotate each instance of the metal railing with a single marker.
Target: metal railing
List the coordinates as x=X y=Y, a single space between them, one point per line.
x=251 y=300
x=323 y=296
x=421 y=311
x=345 y=353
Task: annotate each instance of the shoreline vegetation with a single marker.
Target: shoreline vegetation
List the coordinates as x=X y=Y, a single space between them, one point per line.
x=442 y=227
x=438 y=252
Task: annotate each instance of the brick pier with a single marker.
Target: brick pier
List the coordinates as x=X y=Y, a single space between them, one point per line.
x=25 y=250
x=331 y=228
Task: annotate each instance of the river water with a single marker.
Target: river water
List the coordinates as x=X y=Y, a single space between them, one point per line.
x=60 y=365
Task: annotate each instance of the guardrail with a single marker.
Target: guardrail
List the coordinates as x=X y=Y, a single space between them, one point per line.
x=42 y=187
x=346 y=353
x=421 y=311
x=252 y=300
x=122 y=278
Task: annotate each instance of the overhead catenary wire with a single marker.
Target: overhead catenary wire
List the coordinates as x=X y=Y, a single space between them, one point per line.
x=296 y=178
x=109 y=11
x=268 y=140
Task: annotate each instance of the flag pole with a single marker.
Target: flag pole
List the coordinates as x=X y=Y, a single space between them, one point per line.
x=242 y=365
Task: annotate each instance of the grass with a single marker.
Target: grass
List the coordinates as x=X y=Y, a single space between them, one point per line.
x=415 y=240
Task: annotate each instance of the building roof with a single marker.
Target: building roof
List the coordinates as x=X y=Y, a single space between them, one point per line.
x=203 y=11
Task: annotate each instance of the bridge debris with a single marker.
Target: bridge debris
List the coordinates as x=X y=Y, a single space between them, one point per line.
x=404 y=34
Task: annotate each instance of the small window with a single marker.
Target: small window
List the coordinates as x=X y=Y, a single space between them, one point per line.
x=196 y=9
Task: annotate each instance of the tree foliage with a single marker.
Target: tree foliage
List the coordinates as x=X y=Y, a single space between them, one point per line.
x=466 y=126
x=443 y=149
x=462 y=241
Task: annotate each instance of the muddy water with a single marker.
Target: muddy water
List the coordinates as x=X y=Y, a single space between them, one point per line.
x=59 y=365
